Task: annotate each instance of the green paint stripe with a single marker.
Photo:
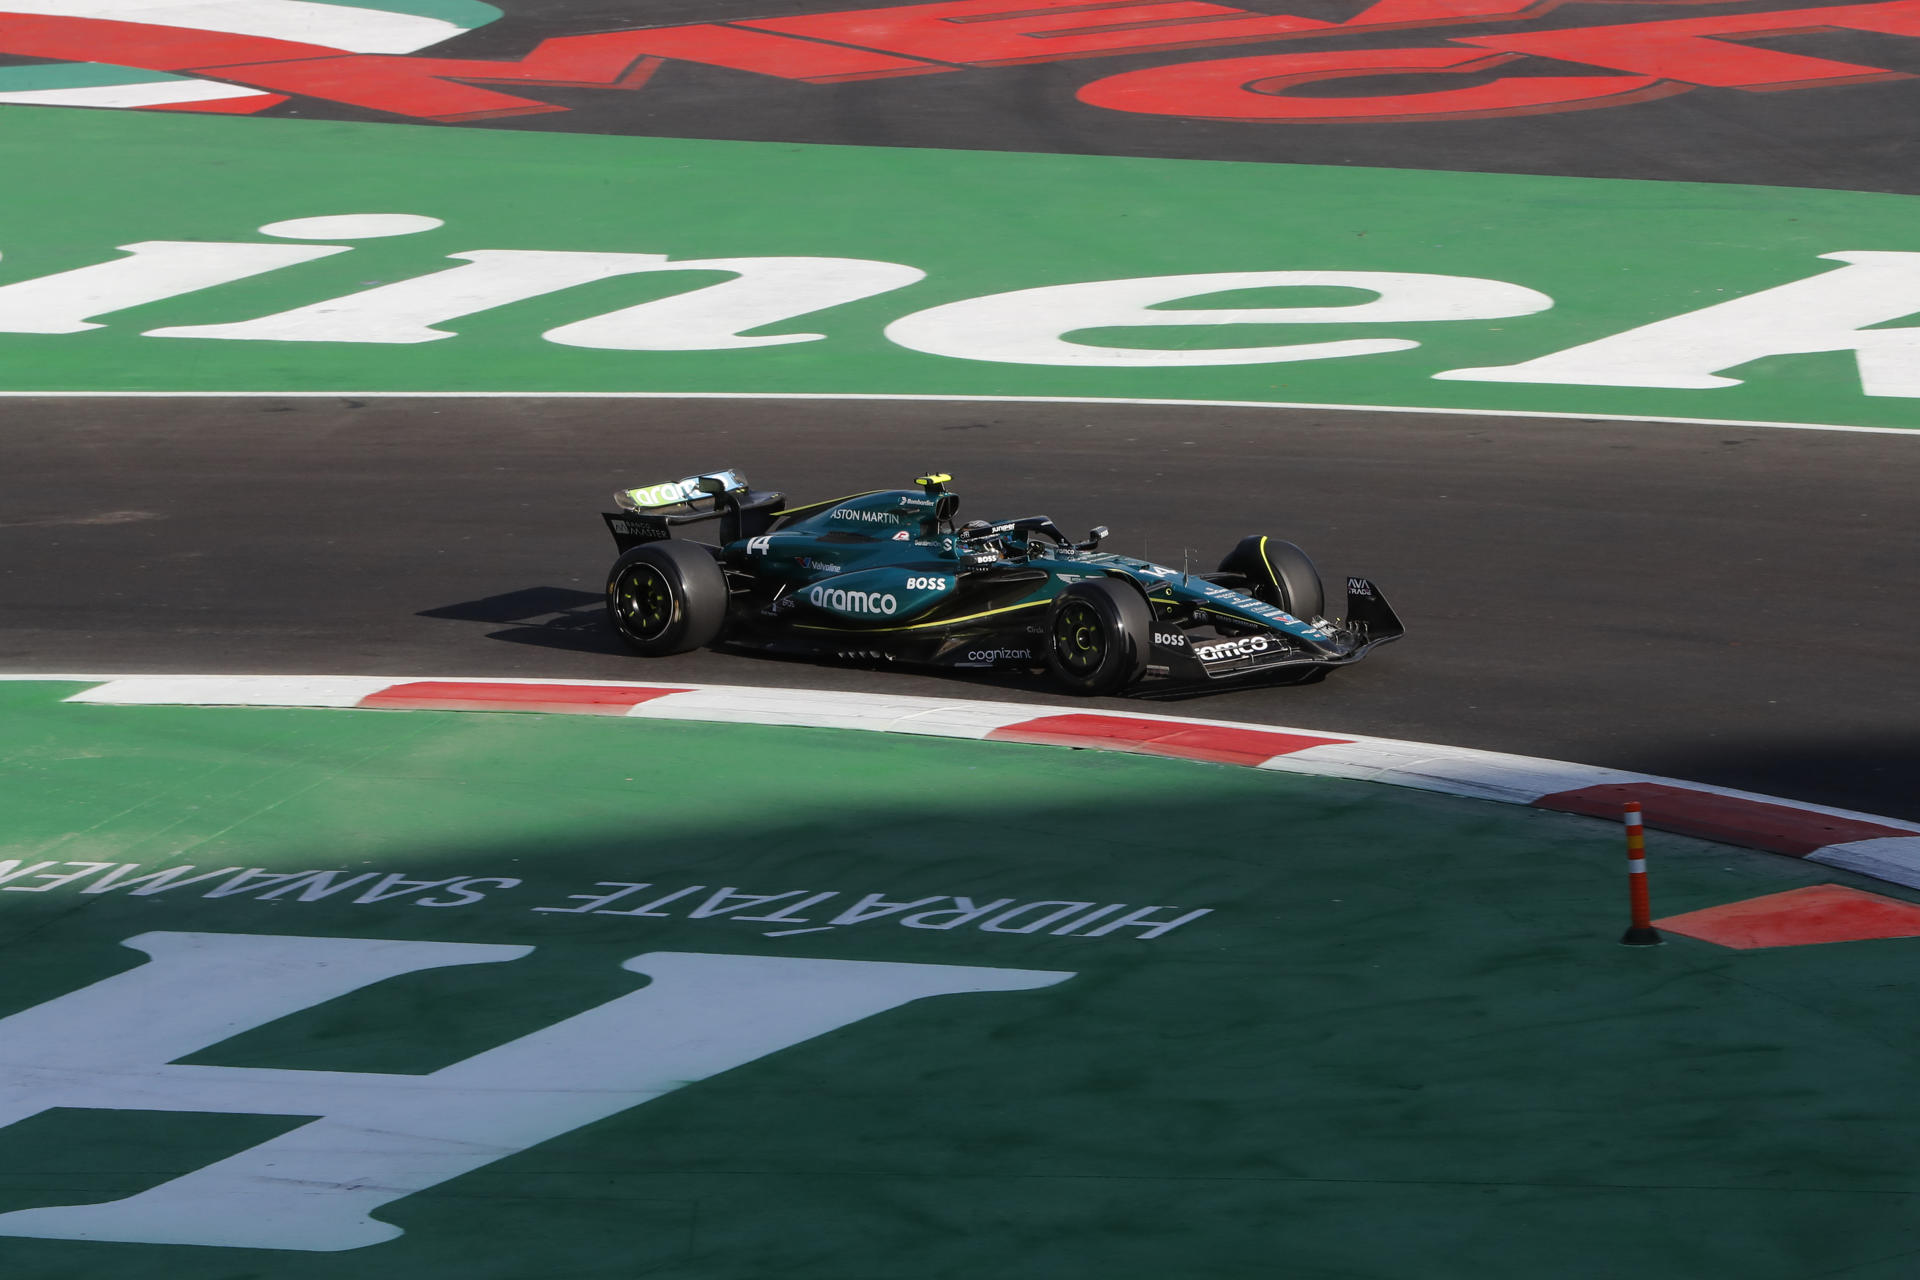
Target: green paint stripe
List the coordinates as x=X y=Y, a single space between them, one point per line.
x=463 y=13
x=1614 y=255
x=1403 y=1044
x=75 y=75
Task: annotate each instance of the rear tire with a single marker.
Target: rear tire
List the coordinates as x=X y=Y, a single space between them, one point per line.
x=1278 y=573
x=1099 y=634
x=666 y=597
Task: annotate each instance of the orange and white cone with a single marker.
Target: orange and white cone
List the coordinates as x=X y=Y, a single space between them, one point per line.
x=1640 y=933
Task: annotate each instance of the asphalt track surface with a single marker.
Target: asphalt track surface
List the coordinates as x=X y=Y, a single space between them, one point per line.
x=1728 y=605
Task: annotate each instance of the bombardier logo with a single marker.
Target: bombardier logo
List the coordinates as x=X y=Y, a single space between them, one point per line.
x=1232 y=648
x=874 y=602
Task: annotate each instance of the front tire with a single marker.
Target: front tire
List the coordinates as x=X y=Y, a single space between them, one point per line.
x=666 y=597
x=1099 y=634
x=1278 y=573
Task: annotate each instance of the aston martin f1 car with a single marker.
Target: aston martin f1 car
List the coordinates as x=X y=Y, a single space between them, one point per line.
x=890 y=575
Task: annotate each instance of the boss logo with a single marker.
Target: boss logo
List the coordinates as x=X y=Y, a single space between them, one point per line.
x=1233 y=648
x=1175 y=639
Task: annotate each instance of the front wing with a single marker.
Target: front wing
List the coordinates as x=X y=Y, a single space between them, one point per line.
x=1370 y=622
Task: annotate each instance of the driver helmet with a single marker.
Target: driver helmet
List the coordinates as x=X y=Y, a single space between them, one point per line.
x=980 y=534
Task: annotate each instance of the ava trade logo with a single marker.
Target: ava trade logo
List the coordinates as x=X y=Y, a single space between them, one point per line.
x=247 y=54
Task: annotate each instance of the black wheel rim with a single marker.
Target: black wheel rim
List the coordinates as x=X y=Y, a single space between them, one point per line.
x=643 y=602
x=1079 y=638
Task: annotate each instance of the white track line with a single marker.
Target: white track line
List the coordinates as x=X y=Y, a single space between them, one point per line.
x=1447 y=411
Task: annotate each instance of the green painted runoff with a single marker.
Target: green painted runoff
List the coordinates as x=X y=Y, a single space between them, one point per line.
x=1401 y=1041
x=1611 y=256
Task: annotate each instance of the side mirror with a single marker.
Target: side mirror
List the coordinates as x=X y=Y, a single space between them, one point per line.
x=1094 y=535
x=713 y=485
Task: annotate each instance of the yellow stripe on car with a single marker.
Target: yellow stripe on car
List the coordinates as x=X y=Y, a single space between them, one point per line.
x=791 y=512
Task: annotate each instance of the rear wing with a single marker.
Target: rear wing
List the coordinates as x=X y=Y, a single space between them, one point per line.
x=1369 y=613
x=652 y=512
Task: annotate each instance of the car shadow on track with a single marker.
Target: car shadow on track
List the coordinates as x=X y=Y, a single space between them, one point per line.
x=1873 y=773
x=573 y=620
x=1870 y=773
x=551 y=617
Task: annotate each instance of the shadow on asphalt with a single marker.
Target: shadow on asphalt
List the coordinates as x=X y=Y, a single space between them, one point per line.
x=574 y=620
x=547 y=617
x=1875 y=773
x=519 y=606
x=565 y=618
x=1610 y=593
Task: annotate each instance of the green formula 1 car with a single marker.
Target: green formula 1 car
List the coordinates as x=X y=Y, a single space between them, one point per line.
x=890 y=575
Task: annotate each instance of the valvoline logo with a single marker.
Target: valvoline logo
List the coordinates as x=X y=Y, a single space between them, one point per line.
x=243 y=28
